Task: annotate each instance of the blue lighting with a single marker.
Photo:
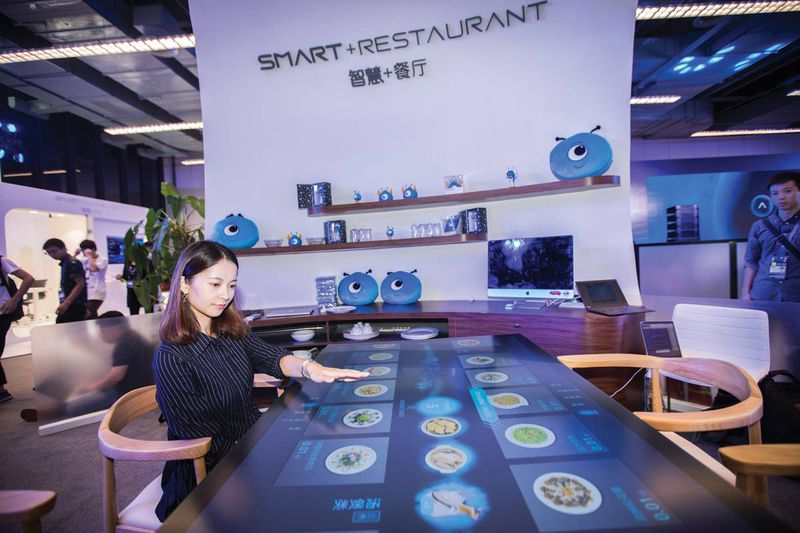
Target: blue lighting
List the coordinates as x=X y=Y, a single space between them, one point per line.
x=687 y=59
x=725 y=50
x=2 y=153
x=774 y=48
x=19 y=158
x=701 y=66
x=754 y=55
x=11 y=128
x=679 y=67
x=715 y=59
x=684 y=71
x=740 y=65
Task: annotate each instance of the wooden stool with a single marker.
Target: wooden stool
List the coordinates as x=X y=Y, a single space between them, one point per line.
x=27 y=507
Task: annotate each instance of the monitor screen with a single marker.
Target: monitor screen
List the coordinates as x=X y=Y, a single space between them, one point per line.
x=533 y=267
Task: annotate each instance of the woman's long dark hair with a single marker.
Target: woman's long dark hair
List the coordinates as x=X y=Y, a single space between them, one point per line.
x=178 y=323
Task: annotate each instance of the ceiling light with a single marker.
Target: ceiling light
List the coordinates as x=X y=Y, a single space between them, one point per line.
x=154 y=128
x=796 y=92
x=716 y=9
x=659 y=99
x=744 y=132
x=189 y=162
x=100 y=48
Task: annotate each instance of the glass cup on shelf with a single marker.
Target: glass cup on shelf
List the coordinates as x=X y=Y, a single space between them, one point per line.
x=437 y=229
x=415 y=231
x=367 y=234
x=355 y=235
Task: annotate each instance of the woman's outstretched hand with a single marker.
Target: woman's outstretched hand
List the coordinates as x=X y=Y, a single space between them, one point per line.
x=323 y=374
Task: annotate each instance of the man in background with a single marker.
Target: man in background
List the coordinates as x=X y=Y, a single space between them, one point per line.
x=94 y=265
x=72 y=292
x=772 y=259
x=9 y=303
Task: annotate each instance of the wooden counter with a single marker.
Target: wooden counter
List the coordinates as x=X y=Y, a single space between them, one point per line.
x=558 y=331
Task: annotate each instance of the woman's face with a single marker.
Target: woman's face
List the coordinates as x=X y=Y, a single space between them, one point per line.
x=211 y=291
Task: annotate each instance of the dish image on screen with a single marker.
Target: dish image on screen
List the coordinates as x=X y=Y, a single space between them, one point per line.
x=368 y=391
x=491 y=377
x=349 y=460
x=567 y=493
x=480 y=360
x=530 y=436
x=508 y=400
x=362 y=418
x=539 y=267
x=378 y=370
x=382 y=356
x=446 y=459
x=441 y=427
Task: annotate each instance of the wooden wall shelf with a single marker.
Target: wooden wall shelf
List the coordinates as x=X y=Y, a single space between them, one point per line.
x=508 y=193
x=458 y=238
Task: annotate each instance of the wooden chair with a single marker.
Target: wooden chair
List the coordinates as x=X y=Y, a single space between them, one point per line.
x=751 y=462
x=26 y=507
x=139 y=516
x=726 y=376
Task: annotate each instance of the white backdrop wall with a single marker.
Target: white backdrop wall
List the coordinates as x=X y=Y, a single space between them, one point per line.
x=487 y=101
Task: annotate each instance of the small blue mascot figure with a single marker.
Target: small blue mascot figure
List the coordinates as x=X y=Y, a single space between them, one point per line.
x=358 y=288
x=357 y=196
x=511 y=176
x=385 y=195
x=235 y=231
x=389 y=231
x=401 y=288
x=294 y=239
x=580 y=156
x=409 y=191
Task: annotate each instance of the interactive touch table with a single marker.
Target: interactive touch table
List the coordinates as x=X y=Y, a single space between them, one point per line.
x=469 y=433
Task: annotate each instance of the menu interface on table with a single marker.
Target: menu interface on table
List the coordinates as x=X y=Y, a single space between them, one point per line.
x=481 y=433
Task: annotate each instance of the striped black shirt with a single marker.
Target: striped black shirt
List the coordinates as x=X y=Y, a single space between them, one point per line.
x=204 y=390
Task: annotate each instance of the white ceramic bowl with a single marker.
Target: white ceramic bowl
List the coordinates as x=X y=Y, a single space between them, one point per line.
x=302 y=335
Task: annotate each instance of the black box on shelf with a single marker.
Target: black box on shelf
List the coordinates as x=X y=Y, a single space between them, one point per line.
x=335 y=231
x=313 y=195
x=474 y=220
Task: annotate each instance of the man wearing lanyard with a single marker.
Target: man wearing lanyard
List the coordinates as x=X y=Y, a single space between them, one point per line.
x=72 y=293
x=772 y=260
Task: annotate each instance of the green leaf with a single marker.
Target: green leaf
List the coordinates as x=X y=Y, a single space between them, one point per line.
x=198 y=204
x=168 y=190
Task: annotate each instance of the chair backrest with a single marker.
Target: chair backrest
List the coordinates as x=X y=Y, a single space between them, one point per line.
x=726 y=376
x=115 y=446
x=739 y=336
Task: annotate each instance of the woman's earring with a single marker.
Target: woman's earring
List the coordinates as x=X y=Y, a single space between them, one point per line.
x=184 y=297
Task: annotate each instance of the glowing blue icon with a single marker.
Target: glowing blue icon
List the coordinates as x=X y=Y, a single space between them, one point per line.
x=11 y=128
x=701 y=66
x=716 y=59
x=761 y=205
x=680 y=66
x=725 y=50
x=754 y=55
x=19 y=158
x=774 y=48
x=687 y=59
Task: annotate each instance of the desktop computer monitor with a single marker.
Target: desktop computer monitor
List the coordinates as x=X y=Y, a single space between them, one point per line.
x=531 y=267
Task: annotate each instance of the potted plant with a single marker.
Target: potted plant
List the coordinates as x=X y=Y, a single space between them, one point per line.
x=166 y=234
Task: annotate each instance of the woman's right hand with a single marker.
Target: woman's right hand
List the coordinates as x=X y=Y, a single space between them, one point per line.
x=323 y=374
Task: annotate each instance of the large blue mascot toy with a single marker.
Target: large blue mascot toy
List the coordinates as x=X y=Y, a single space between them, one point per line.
x=235 y=231
x=580 y=156
x=401 y=288
x=358 y=288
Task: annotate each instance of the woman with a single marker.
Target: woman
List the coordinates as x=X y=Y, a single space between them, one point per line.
x=204 y=367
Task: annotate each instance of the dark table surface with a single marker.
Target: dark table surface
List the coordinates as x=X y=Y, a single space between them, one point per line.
x=482 y=433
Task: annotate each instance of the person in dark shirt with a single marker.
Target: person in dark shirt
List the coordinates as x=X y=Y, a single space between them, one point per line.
x=72 y=293
x=131 y=366
x=205 y=364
